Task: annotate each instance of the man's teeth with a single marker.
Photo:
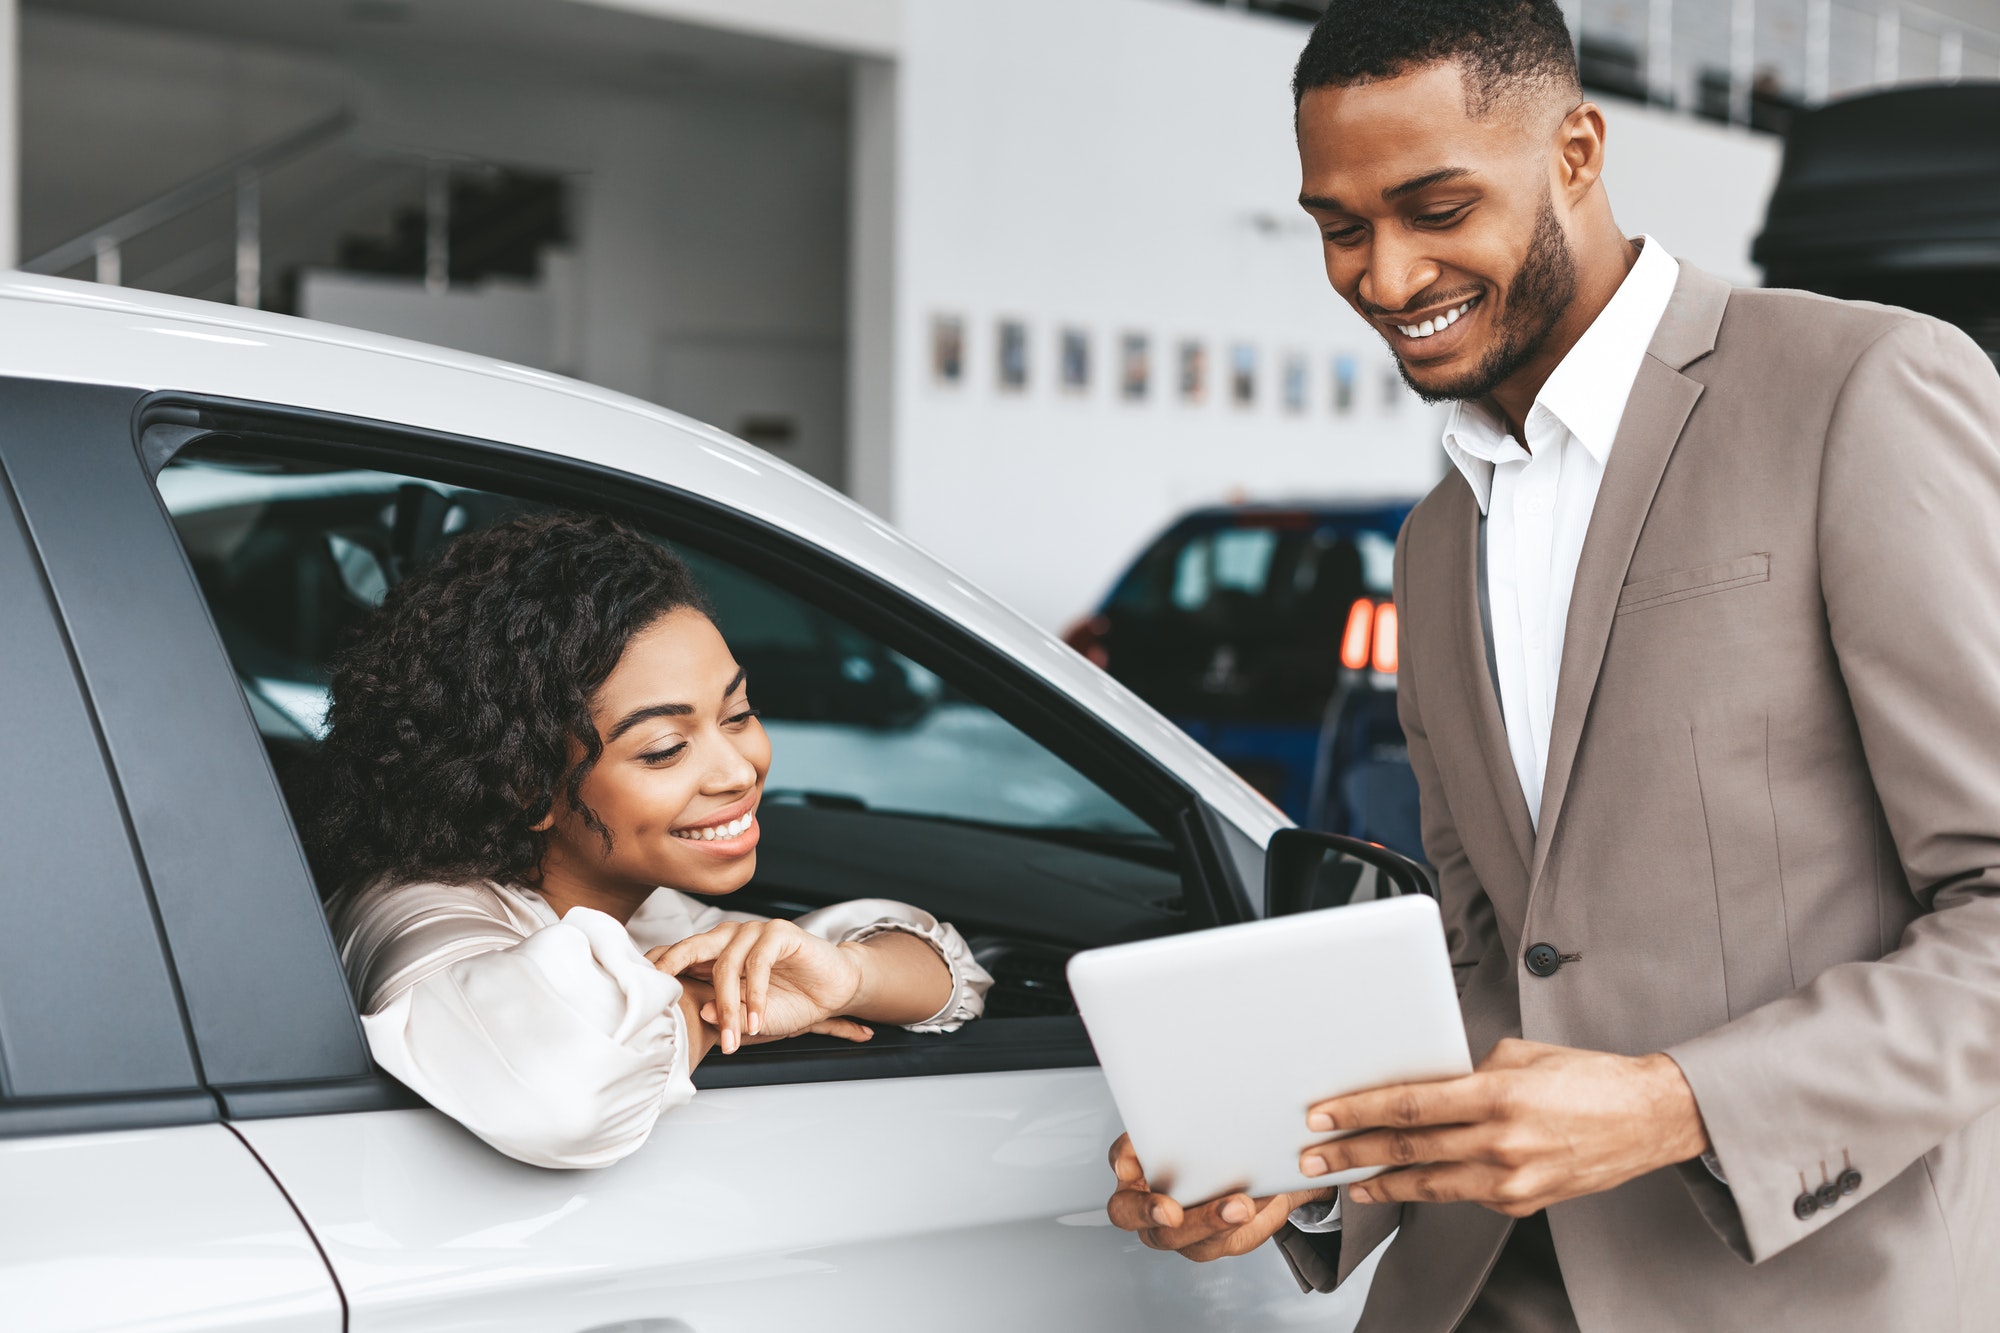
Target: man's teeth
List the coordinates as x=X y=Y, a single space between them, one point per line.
x=714 y=831
x=1430 y=326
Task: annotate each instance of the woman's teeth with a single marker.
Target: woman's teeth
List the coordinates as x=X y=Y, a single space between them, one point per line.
x=714 y=831
x=1430 y=326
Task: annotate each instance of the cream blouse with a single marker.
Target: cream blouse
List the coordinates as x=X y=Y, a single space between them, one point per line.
x=555 y=1040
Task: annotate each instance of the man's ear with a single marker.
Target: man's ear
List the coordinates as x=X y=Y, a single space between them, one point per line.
x=1580 y=151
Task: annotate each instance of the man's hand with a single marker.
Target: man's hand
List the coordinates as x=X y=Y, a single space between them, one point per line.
x=1234 y=1224
x=1532 y=1126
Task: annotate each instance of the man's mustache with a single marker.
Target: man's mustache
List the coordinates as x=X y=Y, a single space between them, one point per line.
x=1425 y=300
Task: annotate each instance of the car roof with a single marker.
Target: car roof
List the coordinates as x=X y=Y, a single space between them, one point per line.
x=82 y=332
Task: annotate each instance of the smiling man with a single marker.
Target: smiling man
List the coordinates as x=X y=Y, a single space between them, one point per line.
x=1701 y=679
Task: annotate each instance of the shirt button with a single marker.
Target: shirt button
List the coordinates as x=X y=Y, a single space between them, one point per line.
x=1828 y=1194
x=1849 y=1181
x=1543 y=960
x=1805 y=1205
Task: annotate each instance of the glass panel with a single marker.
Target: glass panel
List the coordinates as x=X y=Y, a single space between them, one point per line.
x=292 y=559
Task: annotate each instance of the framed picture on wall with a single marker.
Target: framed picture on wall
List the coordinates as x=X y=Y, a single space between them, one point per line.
x=947 y=350
x=1193 y=371
x=1292 y=384
x=1135 y=367
x=1344 y=373
x=1075 y=360
x=1392 y=388
x=1012 y=353
x=1243 y=375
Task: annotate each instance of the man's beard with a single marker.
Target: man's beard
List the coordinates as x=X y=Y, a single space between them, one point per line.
x=1541 y=290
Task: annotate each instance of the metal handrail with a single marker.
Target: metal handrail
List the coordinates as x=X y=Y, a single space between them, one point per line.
x=236 y=175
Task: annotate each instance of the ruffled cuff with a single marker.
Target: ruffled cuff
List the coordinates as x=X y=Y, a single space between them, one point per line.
x=865 y=918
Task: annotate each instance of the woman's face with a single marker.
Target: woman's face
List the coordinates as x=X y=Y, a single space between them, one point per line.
x=682 y=770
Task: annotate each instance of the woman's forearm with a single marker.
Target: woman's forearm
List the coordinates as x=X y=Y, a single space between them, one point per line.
x=903 y=979
x=701 y=1037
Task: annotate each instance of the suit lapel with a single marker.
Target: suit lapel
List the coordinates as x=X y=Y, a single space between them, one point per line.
x=1469 y=652
x=1661 y=400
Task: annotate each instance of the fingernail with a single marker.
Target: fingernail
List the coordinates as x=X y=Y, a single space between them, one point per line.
x=1319 y=1120
x=756 y=1022
x=1314 y=1166
x=1160 y=1214
x=1235 y=1211
x=728 y=1041
x=1360 y=1194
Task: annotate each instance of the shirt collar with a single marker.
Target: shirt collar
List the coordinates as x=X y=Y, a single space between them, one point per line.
x=1588 y=390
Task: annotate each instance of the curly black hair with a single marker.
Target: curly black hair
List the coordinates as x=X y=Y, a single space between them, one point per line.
x=1506 y=47
x=455 y=706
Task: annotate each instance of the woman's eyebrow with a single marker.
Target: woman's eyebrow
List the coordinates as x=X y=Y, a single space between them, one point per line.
x=638 y=715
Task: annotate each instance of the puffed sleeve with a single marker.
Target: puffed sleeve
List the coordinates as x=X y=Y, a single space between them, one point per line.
x=560 y=1047
x=864 y=918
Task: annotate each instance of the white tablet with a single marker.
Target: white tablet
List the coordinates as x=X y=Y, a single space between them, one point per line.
x=1215 y=1042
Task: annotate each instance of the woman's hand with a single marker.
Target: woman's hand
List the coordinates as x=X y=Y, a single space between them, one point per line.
x=771 y=980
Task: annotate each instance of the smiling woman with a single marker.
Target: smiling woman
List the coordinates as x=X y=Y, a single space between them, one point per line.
x=538 y=746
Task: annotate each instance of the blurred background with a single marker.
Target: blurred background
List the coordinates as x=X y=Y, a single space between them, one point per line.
x=1026 y=277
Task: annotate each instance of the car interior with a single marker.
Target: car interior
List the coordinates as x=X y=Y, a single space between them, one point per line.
x=888 y=779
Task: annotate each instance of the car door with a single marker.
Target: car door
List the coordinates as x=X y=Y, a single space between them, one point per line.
x=913 y=1180
x=127 y=1203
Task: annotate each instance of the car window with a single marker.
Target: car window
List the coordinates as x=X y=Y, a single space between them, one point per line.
x=1257 y=571
x=888 y=778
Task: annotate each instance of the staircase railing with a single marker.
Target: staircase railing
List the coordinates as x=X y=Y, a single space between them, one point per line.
x=104 y=244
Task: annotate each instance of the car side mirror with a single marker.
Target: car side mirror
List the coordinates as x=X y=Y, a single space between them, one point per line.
x=1305 y=871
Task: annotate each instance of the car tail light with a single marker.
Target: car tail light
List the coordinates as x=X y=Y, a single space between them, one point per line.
x=1370 y=637
x=1385 y=638
x=1088 y=636
x=1355 y=638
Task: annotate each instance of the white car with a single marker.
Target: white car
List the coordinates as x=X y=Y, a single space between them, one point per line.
x=195 y=501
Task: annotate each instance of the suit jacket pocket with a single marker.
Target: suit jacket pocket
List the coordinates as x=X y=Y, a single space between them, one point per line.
x=1679 y=586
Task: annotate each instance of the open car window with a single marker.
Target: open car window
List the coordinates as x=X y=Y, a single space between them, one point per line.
x=889 y=778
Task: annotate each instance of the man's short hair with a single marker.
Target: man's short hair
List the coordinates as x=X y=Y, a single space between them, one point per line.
x=1508 y=49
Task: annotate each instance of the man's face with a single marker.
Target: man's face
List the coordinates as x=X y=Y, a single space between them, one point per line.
x=1435 y=220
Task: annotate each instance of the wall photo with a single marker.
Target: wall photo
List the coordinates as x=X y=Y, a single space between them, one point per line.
x=1011 y=356
x=947 y=350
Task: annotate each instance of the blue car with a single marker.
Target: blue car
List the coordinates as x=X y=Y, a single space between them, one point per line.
x=1268 y=632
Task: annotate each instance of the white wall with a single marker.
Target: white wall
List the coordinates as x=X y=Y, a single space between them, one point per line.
x=1699 y=187
x=1119 y=164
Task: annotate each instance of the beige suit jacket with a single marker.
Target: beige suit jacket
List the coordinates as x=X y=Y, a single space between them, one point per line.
x=1770 y=834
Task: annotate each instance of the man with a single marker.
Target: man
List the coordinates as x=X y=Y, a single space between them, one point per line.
x=1701 y=680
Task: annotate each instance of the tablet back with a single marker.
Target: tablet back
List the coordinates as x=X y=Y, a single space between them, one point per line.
x=1215 y=1042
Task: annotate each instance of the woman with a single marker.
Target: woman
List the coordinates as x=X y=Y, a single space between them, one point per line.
x=531 y=737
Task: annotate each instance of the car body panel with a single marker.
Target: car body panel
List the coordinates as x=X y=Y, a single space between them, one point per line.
x=53 y=329
x=154 y=1230
x=977 y=1204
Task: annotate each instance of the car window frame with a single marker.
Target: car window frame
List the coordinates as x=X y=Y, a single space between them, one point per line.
x=167 y=421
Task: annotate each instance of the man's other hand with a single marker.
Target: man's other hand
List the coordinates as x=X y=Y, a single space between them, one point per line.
x=1533 y=1125
x=1233 y=1224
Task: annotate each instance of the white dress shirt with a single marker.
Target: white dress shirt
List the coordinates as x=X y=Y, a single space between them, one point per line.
x=1538 y=495
x=556 y=1041
x=1537 y=498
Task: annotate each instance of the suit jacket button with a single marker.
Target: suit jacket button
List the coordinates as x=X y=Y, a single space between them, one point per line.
x=1849 y=1181
x=1543 y=960
x=1828 y=1194
x=1805 y=1205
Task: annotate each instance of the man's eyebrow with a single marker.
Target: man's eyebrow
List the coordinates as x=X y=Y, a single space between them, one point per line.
x=1424 y=182
x=1326 y=203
